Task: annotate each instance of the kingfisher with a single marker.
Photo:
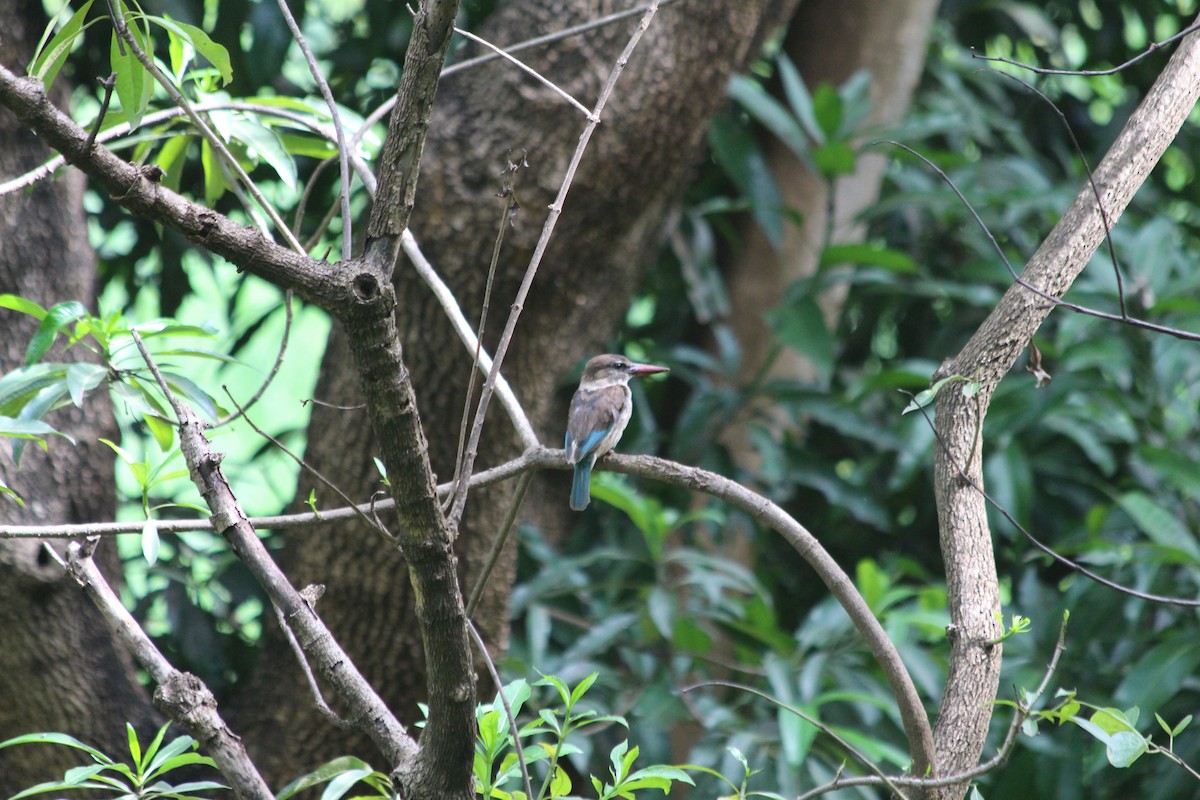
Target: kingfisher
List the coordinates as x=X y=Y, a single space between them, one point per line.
x=600 y=410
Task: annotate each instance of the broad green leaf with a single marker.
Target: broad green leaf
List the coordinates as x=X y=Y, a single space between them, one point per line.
x=1124 y=748
x=799 y=98
x=82 y=378
x=162 y=430
x=581 y=689
x=42 y=403
x=800 y=325
x=135 y=747
x=51 y=57
x=28 y=429
x=344 y=782
x=215 y=183
x=262 y=145
x=321 y=774
x=739 y=153
x=769 y=112
x=194 y=395
x=150 y=544
x=1160 y=525
x=216 y=54
x=834 y=159
x=47 y=331
x=1158 y=672
x=18 y=303
x=135 y=86
x=560 y=785
x=869 y=255
x=59 y=739
x=828 y=111
x=296 y=144
x=171 y=158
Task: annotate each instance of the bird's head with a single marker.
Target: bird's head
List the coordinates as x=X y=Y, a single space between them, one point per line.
x=611 y=369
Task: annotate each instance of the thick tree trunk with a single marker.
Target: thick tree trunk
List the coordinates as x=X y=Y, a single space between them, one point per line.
x=652 y=133
x=59 y=671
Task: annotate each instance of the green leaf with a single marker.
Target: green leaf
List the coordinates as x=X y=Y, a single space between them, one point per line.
x=560 y=785
x=135 y=86
x=799 y=98
x=18 y=303
x=51 y=57
x=1160 y=525
x=740 y=155
x=47 y=331
x=1124 y=748
x=28 y=429
x=171 y=158
x=834 y=158
x=769 y=112
x=828 y=110
x=215 y=183
x=581 y=689
x=216 y=54
x=800 y=325
x=162 y=430
x=869 y=255
x=59 y=739
x=135 y=747
x=196 y=396
x=150 y=545
x=344 y=782
x=82 y=377
x=321 y=774
x=260 y=142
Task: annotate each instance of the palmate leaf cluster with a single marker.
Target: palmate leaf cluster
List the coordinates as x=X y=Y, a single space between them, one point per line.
x=661 y=599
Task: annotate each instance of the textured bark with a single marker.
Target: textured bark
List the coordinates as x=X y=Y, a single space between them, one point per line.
x=59 y=670
x=971 y=584
x=652 y=132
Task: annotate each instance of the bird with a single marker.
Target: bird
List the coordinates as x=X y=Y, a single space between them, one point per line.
x=600 y=410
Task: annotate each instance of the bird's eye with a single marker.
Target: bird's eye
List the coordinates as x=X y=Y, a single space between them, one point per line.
x=621 y=365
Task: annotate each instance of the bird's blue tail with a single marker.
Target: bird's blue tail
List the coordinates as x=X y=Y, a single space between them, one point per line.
x=581 y=489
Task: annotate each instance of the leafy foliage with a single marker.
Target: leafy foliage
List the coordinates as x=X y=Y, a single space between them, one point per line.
x=143 y=777
x=653 y=596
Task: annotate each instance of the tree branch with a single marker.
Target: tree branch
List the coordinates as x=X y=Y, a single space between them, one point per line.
x=180 y=695
x=367 y=711
x=966 y=541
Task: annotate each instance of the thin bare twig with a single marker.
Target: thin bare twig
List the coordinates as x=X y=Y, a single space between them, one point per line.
x=109 y=84
x=1045 y=548
x=498 y=545
x=335 y=118
x=449 y=303
x=508 y=713
x=1087 y=168
x=1053 y=300
x=371 y=716
x=283 y=343
x=1023 y=709
x=525 y=68
x=313 y=687
x=540 y=249
x=510 y=207
x=1088 y=73
x=182 y=697
x=372 y=523
x=880 y=775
